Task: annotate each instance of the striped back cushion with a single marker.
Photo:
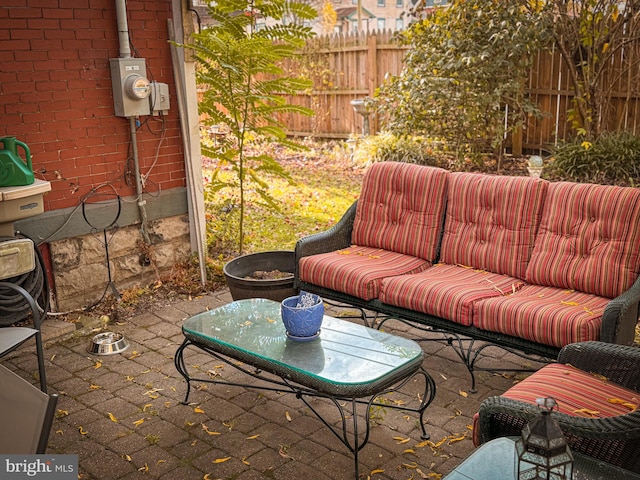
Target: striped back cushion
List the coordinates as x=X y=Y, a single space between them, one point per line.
x=401 y=209
x=589 y=239
x=491 y=221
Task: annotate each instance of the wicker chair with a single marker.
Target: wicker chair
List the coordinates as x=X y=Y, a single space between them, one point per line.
x=603 y=374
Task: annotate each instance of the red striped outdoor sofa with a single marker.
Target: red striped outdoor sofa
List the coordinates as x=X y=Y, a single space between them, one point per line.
x=518 y=262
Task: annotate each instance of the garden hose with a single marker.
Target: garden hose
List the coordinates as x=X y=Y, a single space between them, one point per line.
x=14 y=308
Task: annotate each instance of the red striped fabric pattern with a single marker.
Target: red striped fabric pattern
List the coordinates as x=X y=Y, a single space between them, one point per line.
x=357 y=270
x=577 y=393
x=447 y=291
x=401 y=209
x=589 y=239
x=548 y=315
x=491 y=221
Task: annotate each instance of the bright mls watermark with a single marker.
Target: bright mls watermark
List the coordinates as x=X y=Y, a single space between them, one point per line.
x=49 y=467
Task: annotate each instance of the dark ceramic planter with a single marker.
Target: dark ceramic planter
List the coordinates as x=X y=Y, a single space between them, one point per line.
x=244 y=266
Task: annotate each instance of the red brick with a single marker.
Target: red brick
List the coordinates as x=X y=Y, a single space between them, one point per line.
x=17 y=12
x=16 y=45
x=44 y=24
x=28 y=33
x=57 y=13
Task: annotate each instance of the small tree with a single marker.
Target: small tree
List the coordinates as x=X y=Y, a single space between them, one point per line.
x=240 y=67
x=464 y=74
x=594 y=38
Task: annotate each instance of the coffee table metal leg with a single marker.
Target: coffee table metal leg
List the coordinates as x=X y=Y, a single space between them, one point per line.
x=182 y=368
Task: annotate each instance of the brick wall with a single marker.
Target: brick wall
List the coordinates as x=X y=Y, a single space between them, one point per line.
x=55 y=94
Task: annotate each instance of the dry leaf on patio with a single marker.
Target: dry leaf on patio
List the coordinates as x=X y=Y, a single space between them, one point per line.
x=94 y=387
x=82 y=430
x=112 y=417
x=144 y=469
x=97 y=365
x=198 y=410
x=454 y=439
x=286 y=414
x=378 y=470
x=127 y=457
x=412 y=465
x=253 y=437
x=210 y=432
x=138 y=422
x=207 y=476
x=463 y=393
x=401 y=440
x=244 y=460
x=221 y=460
x=134 y=354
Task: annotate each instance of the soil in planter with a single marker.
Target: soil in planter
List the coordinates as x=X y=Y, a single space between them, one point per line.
x=270 y=275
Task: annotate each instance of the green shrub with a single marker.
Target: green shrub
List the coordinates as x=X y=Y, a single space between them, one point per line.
x=387 y=147
x=614 y=158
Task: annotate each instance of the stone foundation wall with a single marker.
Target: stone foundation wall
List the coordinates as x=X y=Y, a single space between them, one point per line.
x=79 y=264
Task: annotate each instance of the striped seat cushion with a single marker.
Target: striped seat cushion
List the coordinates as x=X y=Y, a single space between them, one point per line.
x=589 y=239
x=357 y=270
x=401 y=209
x=547 y=315
x=577 y=393
x=491 y=221
x=447 y=291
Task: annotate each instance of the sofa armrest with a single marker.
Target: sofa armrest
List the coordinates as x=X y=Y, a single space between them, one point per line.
x=621 y=316
x=499 y=417
x=336 y=238
x=618 y=363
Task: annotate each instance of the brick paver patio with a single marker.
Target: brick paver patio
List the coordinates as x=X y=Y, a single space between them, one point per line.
x=122 y=413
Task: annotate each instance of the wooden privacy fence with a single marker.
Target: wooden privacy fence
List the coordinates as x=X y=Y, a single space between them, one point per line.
x=346 y=67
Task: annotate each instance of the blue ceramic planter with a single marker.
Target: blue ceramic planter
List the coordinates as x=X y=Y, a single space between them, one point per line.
x=302 y=319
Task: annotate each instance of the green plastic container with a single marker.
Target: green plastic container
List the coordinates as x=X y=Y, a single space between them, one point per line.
x=14 y=170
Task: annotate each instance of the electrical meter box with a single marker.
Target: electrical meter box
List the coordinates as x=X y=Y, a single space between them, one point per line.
x=131 y=88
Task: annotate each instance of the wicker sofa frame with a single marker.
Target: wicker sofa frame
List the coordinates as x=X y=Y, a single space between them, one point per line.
x=615 y=440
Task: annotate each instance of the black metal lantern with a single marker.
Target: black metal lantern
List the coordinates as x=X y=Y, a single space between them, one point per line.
x=542 y=451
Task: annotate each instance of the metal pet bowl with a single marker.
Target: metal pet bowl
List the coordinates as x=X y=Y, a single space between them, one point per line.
x=108 y=343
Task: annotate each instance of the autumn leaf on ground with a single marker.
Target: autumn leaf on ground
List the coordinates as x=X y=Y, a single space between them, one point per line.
x=412 y=465
x=112 y=417
x=144 y=469
x=221 y=460
x=463 y=393
x=210 y=432
x=198 y=410
x=97 y=365
x=82 y=430
x=134 y=354
x=94 y=387
x=244 y=460
x=454 y=439
x=127 y=457
x=288 y=417
x=377 y=470
x=253 y=437
x=138 y=422
x=401 y=440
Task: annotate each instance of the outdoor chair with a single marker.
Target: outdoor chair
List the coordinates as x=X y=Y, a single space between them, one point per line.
x=12 y=337
x=27 y=415
x=596 y=386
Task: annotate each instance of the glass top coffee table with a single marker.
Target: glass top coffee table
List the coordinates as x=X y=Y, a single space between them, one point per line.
x=346 y=362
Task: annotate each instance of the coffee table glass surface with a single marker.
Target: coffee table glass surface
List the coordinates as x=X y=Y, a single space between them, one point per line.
x=347 y=359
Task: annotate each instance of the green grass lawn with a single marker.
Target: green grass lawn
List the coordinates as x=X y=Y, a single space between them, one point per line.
x=325 y=184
